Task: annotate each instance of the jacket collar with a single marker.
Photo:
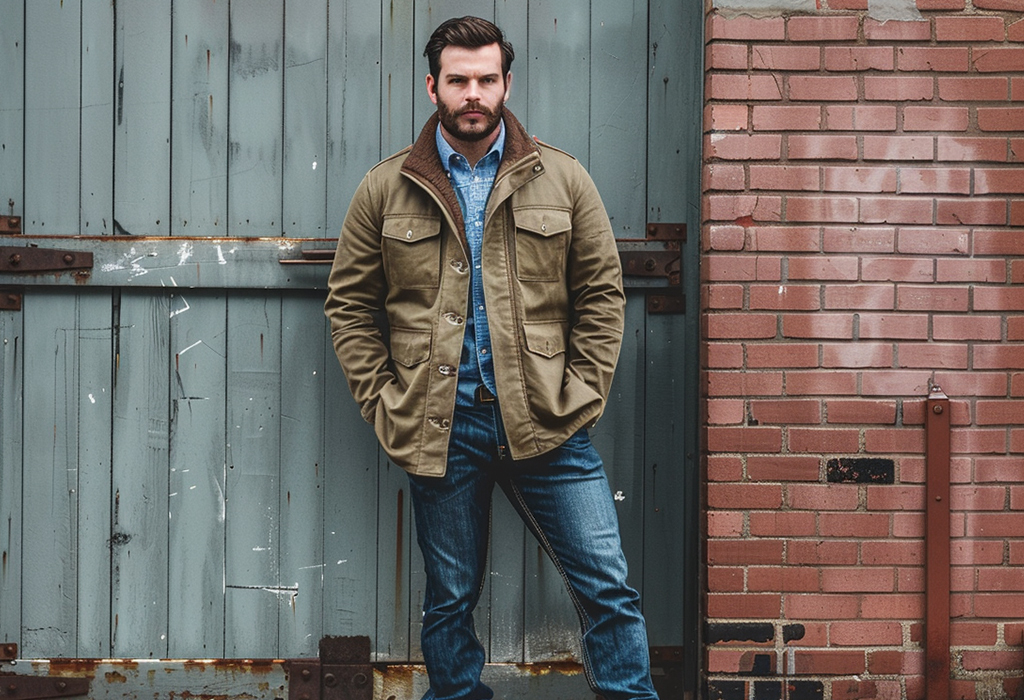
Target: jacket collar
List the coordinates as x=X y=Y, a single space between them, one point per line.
x=424 y=162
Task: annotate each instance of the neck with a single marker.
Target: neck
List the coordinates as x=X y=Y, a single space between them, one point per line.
x=473 y=151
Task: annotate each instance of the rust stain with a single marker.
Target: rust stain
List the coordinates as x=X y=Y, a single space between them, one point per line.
x=77 y=668
x=115 y=677
x=564 y=668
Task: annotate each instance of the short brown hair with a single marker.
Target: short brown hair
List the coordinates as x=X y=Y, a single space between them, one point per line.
x=469 y=33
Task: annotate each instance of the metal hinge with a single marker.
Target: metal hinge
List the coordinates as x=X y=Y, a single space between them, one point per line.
x=343 y=671
x=658 y=258
x=30 y=260
x=15 y=687
x=10 y=225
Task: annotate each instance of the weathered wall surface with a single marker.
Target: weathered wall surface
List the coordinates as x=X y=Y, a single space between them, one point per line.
x=864 y=205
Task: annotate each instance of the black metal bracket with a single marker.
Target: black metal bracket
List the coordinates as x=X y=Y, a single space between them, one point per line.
x=14 y=687
x=29 y=260
x=10 y=300
x=343 y=671
x=667 y=671
x=658 y=256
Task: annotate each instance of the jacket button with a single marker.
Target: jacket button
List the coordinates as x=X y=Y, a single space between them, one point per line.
x=442 y=424
x=537 y=168
x=408 y=234
x=543 y=227
x=458 y=266
x=447 y=370
x=454 y=319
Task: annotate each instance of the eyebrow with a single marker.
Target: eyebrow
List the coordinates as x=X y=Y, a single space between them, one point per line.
x=449 y=76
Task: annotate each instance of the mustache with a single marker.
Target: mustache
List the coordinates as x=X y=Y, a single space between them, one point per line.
x=475 y=107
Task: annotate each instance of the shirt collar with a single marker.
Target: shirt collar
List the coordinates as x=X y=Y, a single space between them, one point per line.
x=446 y=151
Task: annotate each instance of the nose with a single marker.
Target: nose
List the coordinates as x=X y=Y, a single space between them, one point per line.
x=473 y=91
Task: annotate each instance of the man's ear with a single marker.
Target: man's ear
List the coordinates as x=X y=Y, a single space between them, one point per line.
x=508 y=85
x=431 y=88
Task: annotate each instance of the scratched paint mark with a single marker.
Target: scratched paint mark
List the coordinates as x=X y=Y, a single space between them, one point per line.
x=619 y=496
x=183 y=309
x=130 y=261
x=185 y=252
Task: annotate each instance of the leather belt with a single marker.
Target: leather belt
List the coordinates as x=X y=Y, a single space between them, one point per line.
x=484 y=395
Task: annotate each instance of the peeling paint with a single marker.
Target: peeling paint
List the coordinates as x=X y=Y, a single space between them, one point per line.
x=764 y=8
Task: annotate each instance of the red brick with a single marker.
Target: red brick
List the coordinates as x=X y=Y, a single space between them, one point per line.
x=1001 y=119
x=725 y=411
x=724 y=580
x=861 y=117
x=972 y=634
x=924 y=5
x=823 y=88
x=781 y=57
x=997 y=60
x=998 y=181
x=812 y=662
x=725 y=117
x=744 y=383
x=913 y=412
x=1015 y=32
x=894 y=269
x=738 y=87
x=782 y=355
x=804 y=239
x=978 y=441
x=787 y=118
x=861 y=411
x=977 y=552
x=999 y=242
x=848 y=4
x=928 y=180
x=972 y=383
x=898 y=148
x=743 y=496
x=990 y=660
x=1012 y=5
x=721 y=268
x=744 y=439
x=898 y=497
x=729 y=146
x=819 y=440
x=720 y=56
x=933 y=356
x=895 y=210
x=853 y=524
x=818 y=552
x=972 y=148
x=922 y=58
x=782 y=580
x=858 y=239
x=733 y=207
x=725 y=660
x=724 y=296
x=977 y=498
x=745 y=552
x=823 y=209
x=860 y=296
x=819 y=29
x=788 y=297
x=724 y=468
x=895 y=383
x=973 y=89
x=894 y=326
x=859 y=580
x=823 y=497
x=724 y=355
x=935 y=118
x=784 y=177
x=746 y=28
x=859 y=354
x=859 y=179
x=899 y=89
x=969 y=29
x=865 y=634
x=799 y=411
x=822 y=147
x=875 y=30
x=893 y=662
x=817 y=383
x=999 y=470
x=823 y=267
x=895 y=440
x=857 y=58
x=998 y=298
x=724 y=524
x=971 y=271
x=892 y=607
x=741 y=326
x=913 y=298
x=783 y=468
x=724 y=176
x=967 y=328
x=833 y=606
x=743 y=606
x=728 y=238
x=1008 y=412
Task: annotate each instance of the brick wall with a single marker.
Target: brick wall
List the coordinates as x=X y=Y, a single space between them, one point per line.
x=862 y=239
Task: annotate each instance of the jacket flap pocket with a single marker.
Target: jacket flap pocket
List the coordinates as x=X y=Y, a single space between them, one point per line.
x=544 y=222
x=410 y=228
x=409 y=346
x=545 y=338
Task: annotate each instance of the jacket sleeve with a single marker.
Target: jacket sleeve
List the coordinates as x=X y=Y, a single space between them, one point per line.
x=595 y=289
x=356 y=292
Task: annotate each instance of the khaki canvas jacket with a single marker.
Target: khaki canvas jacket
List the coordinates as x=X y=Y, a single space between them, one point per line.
x=399 y=293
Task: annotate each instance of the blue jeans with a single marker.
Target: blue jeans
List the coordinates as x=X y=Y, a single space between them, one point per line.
x=564 y=499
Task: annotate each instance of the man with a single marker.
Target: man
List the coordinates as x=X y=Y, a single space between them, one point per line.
x=493 y=262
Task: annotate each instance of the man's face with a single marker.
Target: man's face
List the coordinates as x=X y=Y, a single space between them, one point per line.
x=470 y=91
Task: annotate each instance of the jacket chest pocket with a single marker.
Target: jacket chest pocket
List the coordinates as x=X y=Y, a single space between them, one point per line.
x=542 y=237
x=411 y=249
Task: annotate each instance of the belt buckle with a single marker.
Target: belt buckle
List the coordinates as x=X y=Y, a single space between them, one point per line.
x=484 y=395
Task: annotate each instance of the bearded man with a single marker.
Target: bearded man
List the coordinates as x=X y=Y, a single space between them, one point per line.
x=493 y=261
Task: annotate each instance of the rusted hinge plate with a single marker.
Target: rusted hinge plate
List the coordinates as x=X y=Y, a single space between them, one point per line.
x=31 y=260
x=10 y=300
x=658 y=256
x=41 y=687
x=667 y=671
x=10 y=225
x=343 y=671
x=8 y=650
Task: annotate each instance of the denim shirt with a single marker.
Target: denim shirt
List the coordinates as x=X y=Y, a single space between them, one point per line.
x=472 y=186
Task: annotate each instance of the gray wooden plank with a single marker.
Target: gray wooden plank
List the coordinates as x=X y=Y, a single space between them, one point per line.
x=559 y=57
x=255 y=113
x=513 y=19
x=305 y=119
x=93 y=398
x=398 y=604
x=52 y=103
x=253 y=480
x=199 y=118
x=302 y=476
x=399 y=85
x=50 y=500
x=674 y=84
x=196 y=502
x=353 y=96
x=12 y=117
x=140 y=469
x=142 y=127
x=97 y=159
x=11 y=475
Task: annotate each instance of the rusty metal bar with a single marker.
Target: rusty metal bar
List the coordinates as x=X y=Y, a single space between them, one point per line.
x=937 y=545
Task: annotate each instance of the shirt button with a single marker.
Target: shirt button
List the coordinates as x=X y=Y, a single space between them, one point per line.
x=483 y=351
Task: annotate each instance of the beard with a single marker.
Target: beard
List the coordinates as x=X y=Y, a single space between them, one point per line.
x=476 y=131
